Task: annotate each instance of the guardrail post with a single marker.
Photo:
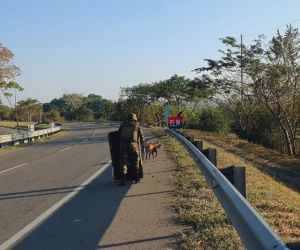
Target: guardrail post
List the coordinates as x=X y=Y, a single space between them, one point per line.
x=198 y=144
x=237 y=177
x=211 y=155
x=293 y=245
x=191 y=138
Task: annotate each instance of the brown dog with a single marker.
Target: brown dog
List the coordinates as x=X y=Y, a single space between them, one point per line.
x=151 y=149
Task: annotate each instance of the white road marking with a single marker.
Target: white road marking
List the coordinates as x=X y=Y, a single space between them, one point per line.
x=62 y=150
x=21 y=165
x=85 y=140
x=19 y=235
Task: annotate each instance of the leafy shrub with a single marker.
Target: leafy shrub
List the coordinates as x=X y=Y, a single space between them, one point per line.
x=210 y=119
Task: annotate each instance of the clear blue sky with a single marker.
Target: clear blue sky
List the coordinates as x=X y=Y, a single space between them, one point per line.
x=97 y=46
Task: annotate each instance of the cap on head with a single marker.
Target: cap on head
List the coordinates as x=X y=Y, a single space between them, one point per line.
x=133 y=116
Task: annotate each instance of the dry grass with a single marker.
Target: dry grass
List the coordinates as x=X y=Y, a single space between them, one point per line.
x=279 y=166
x=278 y=204
x=13 y=124
x=197 y=206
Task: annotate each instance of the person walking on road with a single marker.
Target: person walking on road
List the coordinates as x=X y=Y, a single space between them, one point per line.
x=131 y=143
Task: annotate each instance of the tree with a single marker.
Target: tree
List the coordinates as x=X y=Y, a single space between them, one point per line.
x=109 y=109
x=276 y=83
x=212 y=120
x=272 y=73
x=173 y=91
x=8 y=71
x=52 y=115
x=74 y=106
x=179 y=92
x=183 y=94
x=138 y=98
x=72 y=103
x=5 y=112
x=30 y=109
x=84 y=114
x=97 y=104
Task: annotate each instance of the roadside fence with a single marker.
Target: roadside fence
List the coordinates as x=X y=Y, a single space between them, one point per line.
x=23 y=138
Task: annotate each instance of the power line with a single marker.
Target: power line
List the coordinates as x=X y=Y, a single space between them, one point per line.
x=215 y=51
x=271 y=29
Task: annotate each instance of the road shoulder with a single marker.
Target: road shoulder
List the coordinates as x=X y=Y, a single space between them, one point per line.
x=146 y=217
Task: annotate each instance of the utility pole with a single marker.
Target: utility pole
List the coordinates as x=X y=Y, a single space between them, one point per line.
x=16 y=111
x=242 y=73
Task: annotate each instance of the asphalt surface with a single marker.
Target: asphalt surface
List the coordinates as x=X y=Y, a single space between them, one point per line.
x=35 y=177
x=36 y=180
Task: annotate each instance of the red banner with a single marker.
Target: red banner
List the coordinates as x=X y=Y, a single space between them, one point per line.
x=175 y=122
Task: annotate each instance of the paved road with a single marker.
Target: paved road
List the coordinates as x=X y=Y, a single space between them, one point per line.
x=34 y=178
x=60 y=195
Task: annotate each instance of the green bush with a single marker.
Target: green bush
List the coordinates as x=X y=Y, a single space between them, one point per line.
x=52 y=116
x=5 y=112
x=210 y=119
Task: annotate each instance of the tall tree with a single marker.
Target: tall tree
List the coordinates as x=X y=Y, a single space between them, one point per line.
x=84 y=114
x=272 y=73
x=5 y=112
x=97 y=104
x=138 y=98
x=31 y=109
x=72 y=103
x=276 y=83
x=183 y=93
x=8 y=71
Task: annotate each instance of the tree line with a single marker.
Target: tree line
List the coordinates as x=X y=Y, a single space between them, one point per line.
x=252 y=90
x=263 y=104
x=70 y=107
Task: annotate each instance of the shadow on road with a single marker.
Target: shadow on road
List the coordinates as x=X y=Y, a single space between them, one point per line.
x=80 y=223
x=40 y=192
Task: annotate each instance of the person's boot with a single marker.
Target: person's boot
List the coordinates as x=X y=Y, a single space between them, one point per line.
x=137 y=179
x=122 y=181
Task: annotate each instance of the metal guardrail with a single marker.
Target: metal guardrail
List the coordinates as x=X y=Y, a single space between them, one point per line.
x=18 y=137
x=254 y=232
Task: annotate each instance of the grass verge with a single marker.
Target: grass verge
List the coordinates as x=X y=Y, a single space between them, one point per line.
x=197 y=206
x=280 y=166
x=13 y=124
x=276 y=202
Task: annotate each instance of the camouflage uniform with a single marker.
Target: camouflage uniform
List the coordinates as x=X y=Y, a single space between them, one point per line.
x=130 y=136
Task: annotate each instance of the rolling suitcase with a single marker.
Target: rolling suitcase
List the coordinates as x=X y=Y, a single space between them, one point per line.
x=114 y=146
